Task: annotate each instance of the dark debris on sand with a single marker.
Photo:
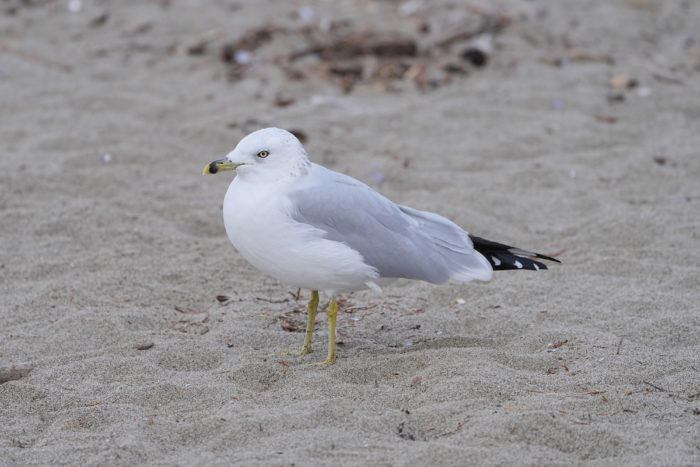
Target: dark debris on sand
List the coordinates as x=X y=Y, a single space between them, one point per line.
x=346 y=55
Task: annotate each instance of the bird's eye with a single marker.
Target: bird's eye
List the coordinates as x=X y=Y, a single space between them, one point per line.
x=263 y=154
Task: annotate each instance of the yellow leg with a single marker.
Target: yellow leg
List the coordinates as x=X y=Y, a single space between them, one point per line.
x=332 y=315
x=310 y=320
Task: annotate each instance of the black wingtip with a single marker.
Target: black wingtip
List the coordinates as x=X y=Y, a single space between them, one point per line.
x=548 y=258
x=504 y=257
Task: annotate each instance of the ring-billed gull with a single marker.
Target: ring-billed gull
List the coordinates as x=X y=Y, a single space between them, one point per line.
x=312 y=228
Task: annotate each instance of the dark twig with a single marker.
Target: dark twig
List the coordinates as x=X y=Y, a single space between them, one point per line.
x=271 y=300
x=184 y=310
x=654 y=386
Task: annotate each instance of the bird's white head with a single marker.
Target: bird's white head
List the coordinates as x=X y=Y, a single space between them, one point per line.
x=265 y=155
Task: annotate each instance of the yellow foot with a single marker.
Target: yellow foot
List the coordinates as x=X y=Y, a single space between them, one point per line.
x=290 y=353
x=327 y=362
x=311 y=318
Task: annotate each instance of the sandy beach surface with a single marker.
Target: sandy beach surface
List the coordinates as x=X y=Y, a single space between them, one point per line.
x=578 y=137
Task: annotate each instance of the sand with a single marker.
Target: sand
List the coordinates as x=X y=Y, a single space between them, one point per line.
x=113 y=246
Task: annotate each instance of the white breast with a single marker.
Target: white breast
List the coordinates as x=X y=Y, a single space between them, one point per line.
x=257 y=221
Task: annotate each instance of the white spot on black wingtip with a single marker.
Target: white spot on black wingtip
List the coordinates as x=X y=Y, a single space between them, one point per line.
x=537 y=268
x=496 y=261
x=518 y=264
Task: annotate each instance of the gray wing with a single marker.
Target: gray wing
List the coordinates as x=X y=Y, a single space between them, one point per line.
x=398 y=241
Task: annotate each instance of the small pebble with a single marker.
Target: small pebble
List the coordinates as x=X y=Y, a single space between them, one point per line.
x=615 y=97
x=623 y=81
x=306 y=14
x=243 y=57
x=75 y=6
x=643 y=91
x=410 y=7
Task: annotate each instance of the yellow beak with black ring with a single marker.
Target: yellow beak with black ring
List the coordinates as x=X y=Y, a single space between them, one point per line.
x=221 y=165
